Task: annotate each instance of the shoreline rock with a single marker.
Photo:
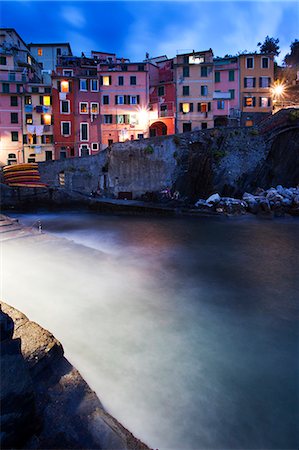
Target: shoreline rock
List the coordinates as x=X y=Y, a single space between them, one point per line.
x=56 y=407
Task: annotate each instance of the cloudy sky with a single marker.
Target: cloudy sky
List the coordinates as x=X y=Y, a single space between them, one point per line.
x=131 y=29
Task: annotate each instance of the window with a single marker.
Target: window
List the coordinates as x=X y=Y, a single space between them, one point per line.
x=28 y=100
x=19 y=88
x=13 y=100
x=83 y=85
x=249 y=63
x=119 y=100
x=186 y=90
x=123 y=118
x=83 y=107
x=110 y=142
x=196 y=59
x=249 y=102
x=186 y=107
x=204 y=125
x=140 y=67
x=105 y=99
x=68 y=73
x=31 y=158
x=64 y=86
x=187 y=127
x=140 y=136
x=220 y=104
x=48 y=155
x=204 y=90
x=107 y=118
x=28 y=119
x=3 y=60
x=5 y=88
x=204 y=71
x=14 y=136
x=84 y=132
x=204 y=107
x=161 y=91
x=47 y=139
x=94 y=85
x=94 y=108
x=29 y=60
x=124 y=67
x=217 y=77
x=249 y=82
x=265 y=102
x=265 y=82
x=231 y=75
x=120 y=81
x=265 y=63
x=133 y=80
x=106 y=80
x=186 y=72
x=94 y=146
x=34 y=89
x=40 y=52
x=14 y=117
x=47 y=90
x=58 y=52
x=12 y=76
x=46 y=119
x=25 y=139
x=66 y=128
x=232 y=93
x=133 y=99
x=186 y=59
x=84 y=150
x=163 y=108
x=65 y=106
x=12 y=159
x=46 y=100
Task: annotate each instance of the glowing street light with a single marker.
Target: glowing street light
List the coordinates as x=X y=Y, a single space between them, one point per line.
x=278 y=90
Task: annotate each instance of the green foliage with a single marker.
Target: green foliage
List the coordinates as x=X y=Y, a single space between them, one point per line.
x=149 y=150
x=292 y=59
x=176 y=140
x=270 y=45
x=294 y=115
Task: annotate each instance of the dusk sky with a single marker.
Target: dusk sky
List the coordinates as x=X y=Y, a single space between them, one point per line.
x=131 y=29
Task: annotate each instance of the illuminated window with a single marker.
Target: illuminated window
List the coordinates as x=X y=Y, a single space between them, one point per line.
x=133 y=100
x=28 y=119
x=64 y=86
x=265 y=102
x=83 y=108
x=47 y=119
x=106 y=81
x=28 y=100
x=29 y=60
x=40 y=52
x=186 y=108
x=203 y=107
x=249 y=102
x=94 y=107
x=46 y=100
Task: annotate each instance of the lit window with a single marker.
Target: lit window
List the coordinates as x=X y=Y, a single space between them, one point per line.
x=40 y=52
x=29 y=60
x=46 y=100
x=106 y=81
x=64 y=86
x=94 y=108
x=203 y=107
x=249 y=101
x=84 y=108
x=196 y=59
x=264 y=102
x=186 y=107
x=47 y=119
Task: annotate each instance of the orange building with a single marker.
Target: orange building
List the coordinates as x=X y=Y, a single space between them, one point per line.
x=256 y=78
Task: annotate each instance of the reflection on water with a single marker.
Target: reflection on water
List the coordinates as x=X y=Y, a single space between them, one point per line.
x=187 y=329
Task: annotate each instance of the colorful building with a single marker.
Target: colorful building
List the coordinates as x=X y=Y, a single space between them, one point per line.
x=226 y=98
x=256 y=78
x=17 y=68
x=76 y=107
x=194 y=79
x=162 y=97
x=47 y=56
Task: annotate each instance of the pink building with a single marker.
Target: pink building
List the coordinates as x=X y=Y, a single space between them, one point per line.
x=124 y=99
x=226 y=96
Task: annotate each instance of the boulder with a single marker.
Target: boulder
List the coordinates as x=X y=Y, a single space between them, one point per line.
x=213 y=199
x=264 y=206
x=232 y=205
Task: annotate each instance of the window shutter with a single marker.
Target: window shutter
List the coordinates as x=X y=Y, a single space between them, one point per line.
x=42 y=119
x=245 y=82
x=41 y=100
x=70 y=86
x=52 y=120
x=269 y=100
x=198 y=107
x=59 y=85
x=116 y=99
x=138 y=99
x=269 y=81
x=209 y=106
x=260 y=101
x=260 y=82
x=125 y=99
x=181 y=107
x=101 y=80
x=253 y=101
x=244 y=101
x=254 y=79
x=51 y=100
x=191 y=107
x=87 y=84
x=110 y=80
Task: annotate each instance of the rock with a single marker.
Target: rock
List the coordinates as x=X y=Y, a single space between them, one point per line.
x=214 y=199
x=274 y=196
x=232 y=205
x=296 y=200
x=264 y=206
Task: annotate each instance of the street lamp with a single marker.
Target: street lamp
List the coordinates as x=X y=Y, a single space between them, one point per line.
x=277 y=93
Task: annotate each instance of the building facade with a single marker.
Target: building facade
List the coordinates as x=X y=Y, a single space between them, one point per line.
x=256 y=78
x=194 y=79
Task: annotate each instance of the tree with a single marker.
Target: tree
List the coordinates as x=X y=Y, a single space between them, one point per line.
x=270 y=45
x=292 y=59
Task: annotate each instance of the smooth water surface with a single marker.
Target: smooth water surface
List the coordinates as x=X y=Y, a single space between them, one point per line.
x=186 y=328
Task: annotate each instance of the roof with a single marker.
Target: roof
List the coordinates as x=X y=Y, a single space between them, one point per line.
x=17 y=34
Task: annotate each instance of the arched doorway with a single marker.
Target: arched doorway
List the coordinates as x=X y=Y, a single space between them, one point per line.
x=158 y=129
